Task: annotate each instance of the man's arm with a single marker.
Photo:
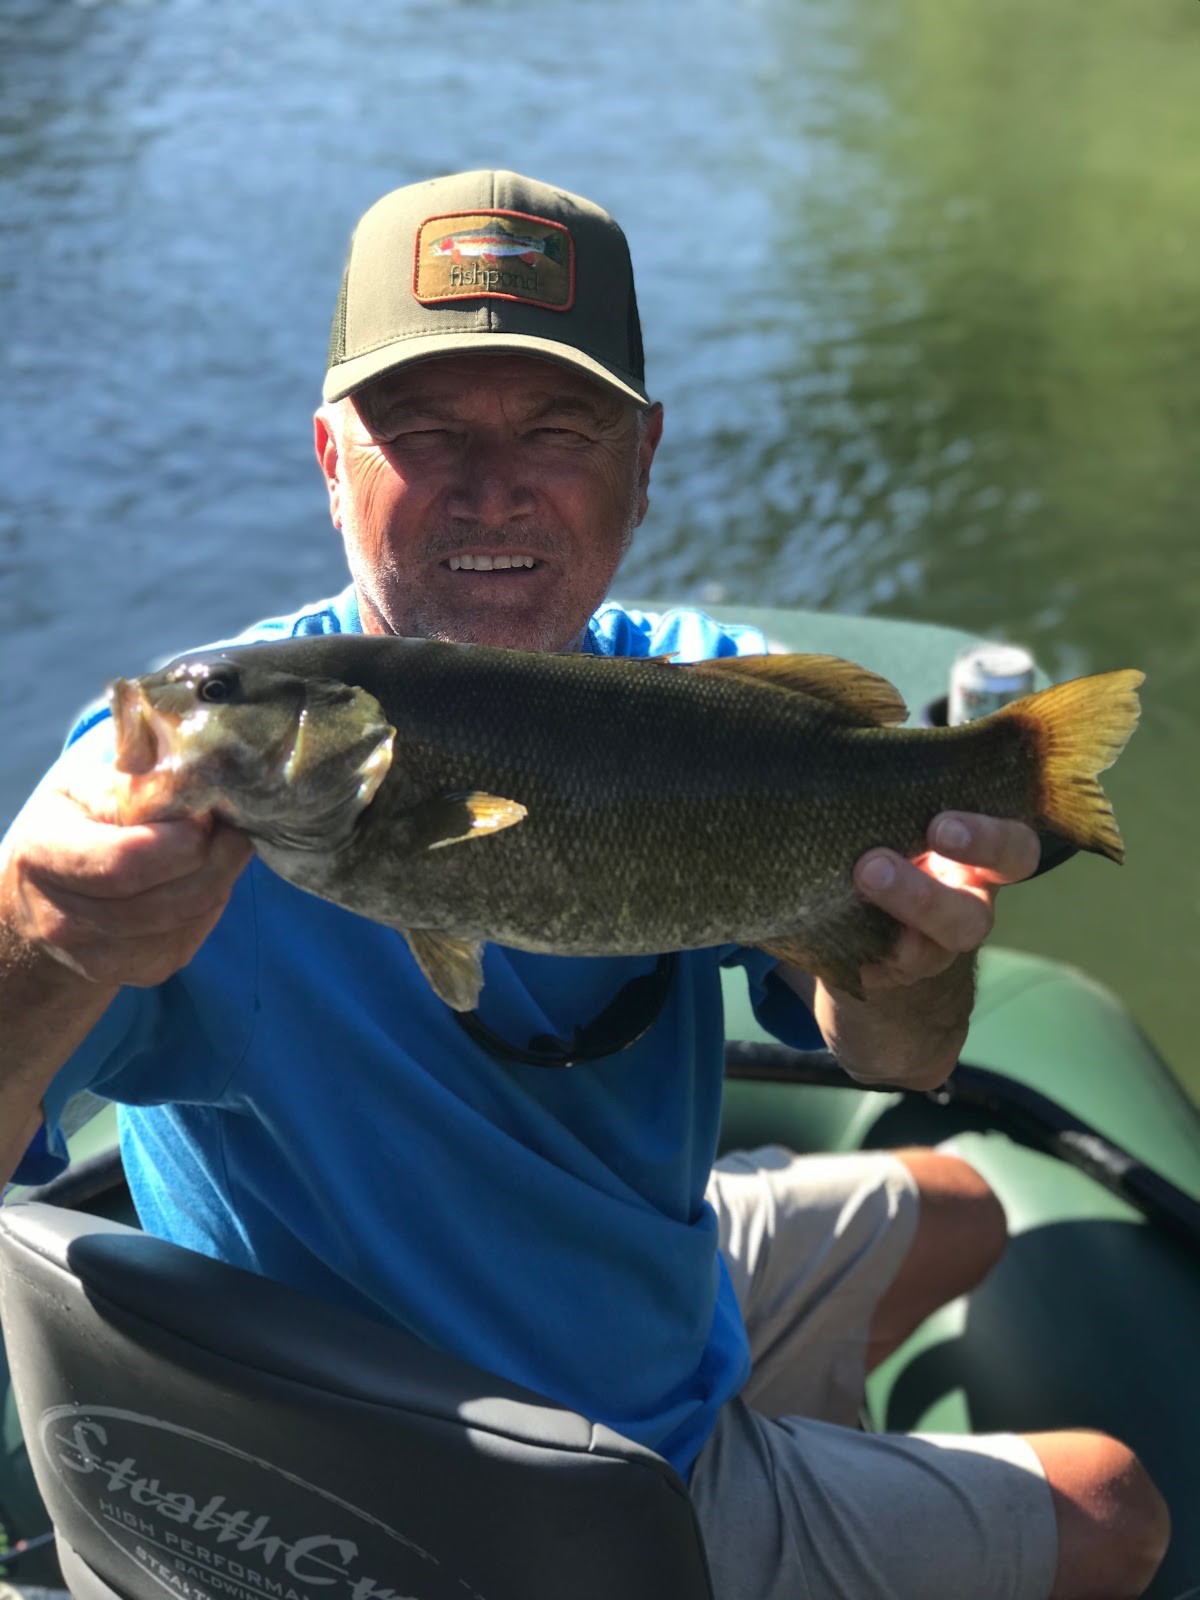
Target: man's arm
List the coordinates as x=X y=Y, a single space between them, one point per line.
x=85 y=907
x=912 y=1024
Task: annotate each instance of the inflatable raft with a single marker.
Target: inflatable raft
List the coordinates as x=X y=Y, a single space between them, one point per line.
x=1092 y=1319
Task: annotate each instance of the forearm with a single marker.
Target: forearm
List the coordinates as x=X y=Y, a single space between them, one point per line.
x=45 y=1012
x=908 y=1034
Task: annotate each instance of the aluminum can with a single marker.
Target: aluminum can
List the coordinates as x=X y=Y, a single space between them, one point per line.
x=986 y=677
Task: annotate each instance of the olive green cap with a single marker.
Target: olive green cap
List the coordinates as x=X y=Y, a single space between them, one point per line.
x=486 y=261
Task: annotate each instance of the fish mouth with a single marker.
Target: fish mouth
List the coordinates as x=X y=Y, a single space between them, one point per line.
x=145 y=732
x=136 y=737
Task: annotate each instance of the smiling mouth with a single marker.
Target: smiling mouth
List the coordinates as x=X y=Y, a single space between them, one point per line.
x=491 y=563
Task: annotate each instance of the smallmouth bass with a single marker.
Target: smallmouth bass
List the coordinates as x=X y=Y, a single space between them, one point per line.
x=577 y=805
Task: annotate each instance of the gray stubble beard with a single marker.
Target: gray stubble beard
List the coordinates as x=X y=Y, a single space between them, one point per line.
x=424 y=622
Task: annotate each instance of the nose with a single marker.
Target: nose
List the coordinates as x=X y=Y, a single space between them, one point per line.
x=490 y=483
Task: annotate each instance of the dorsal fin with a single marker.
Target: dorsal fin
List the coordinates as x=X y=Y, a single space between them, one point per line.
x=858 y=695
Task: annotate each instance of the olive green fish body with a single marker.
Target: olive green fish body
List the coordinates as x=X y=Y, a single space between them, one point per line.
x=648 y=829
x=628 y=807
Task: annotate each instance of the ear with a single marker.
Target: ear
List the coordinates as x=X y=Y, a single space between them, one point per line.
x=649 y=444
x=325 y=440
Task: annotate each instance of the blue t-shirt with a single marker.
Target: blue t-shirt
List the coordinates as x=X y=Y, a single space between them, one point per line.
x=297 y=1101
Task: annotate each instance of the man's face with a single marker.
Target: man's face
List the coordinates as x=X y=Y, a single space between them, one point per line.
x=485 y=498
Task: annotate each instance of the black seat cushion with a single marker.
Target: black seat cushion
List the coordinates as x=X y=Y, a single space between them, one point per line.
x=198 y=1428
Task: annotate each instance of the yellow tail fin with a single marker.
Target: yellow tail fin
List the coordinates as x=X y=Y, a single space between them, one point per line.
x=1079 y=729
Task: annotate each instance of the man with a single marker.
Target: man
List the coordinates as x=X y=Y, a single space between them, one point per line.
x=487 y=442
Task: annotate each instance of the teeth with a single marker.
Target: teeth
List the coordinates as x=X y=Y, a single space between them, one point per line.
x=488 y=563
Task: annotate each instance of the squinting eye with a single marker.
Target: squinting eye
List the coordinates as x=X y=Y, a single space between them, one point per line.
x=422 y=436
x=218 y=688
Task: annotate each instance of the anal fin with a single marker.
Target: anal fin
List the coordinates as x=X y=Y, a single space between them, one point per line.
x=838 y=967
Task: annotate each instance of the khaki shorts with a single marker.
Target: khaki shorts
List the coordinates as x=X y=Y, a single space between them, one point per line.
x=794 y=1502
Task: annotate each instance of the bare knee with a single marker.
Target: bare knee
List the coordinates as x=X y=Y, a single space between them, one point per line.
x=961 y=1234
x=1113 y=1524
x=961 y=1221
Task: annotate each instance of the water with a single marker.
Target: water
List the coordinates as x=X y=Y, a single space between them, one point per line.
x=918 y=286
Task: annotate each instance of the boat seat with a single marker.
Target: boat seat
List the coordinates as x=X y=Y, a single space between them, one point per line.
x=197 y=1429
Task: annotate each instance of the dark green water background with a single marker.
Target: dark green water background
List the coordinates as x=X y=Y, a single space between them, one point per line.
x=920 y=290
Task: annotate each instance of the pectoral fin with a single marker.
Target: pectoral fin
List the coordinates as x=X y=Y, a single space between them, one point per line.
x=452 y=966
x=455 y=818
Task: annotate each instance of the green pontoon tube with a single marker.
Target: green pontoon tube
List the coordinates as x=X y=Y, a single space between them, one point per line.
x=1092 y=1319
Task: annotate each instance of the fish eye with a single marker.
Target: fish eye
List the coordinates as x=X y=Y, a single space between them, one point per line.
x=218 y=687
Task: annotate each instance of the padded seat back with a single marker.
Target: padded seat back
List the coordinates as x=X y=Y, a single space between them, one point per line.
x=197 y=1429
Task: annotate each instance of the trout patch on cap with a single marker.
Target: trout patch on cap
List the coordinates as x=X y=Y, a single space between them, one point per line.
x=500 y=255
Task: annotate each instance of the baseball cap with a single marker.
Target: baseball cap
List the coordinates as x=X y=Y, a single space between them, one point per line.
x=491 y=261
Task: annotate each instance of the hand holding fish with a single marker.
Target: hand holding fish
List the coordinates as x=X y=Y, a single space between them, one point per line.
x=944 y=900
x=912 y=1022
x=113 y=904
x=86 y=906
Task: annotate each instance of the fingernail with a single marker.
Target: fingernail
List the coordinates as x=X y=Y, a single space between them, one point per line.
x=878 y=873
x=951 y=834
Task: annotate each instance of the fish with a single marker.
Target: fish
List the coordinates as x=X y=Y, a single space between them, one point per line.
x=491 y=243
x=578 y=805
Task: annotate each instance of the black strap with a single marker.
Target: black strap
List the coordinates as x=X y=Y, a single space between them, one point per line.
x=628 y=1016
x=1023 y=1113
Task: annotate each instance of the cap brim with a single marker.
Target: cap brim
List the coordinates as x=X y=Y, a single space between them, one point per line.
x=350 y=375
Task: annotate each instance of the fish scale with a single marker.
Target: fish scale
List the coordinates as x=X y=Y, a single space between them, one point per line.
x=587 y=806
